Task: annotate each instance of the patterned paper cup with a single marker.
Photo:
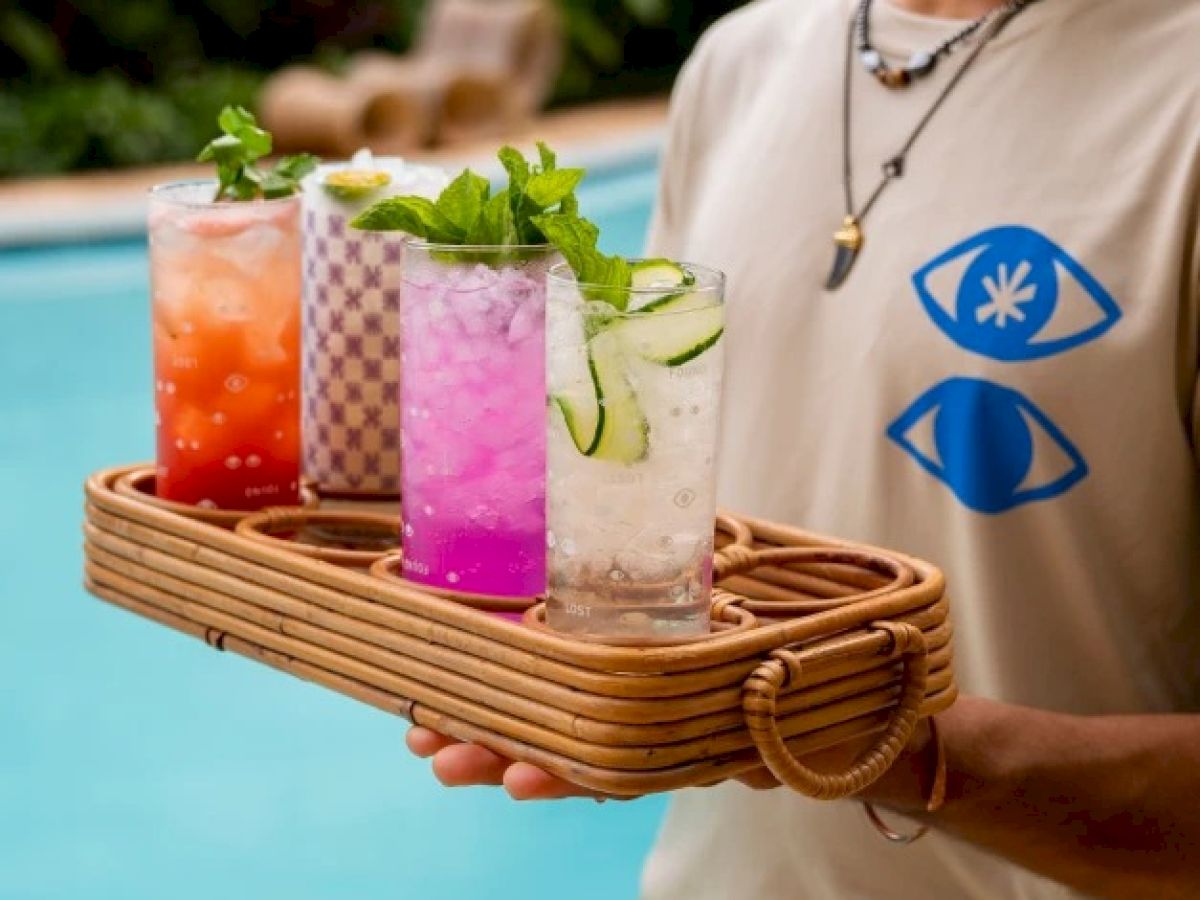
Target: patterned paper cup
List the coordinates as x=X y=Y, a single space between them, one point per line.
x=351 y=334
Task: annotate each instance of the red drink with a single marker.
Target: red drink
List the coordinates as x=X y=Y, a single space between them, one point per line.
x=226 y=309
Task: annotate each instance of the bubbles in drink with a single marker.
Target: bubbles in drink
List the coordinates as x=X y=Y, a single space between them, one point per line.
x=473 y=389
x=633 y=544
x=226 y=288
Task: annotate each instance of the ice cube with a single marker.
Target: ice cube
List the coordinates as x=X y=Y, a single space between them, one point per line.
x=476 y=278
x=252 y=247
x=526 y=322
x=645 y=565
x=221 y=221
x=597 y=308
x=474 y=324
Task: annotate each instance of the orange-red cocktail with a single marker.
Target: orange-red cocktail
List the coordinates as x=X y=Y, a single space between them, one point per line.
x=225 y=280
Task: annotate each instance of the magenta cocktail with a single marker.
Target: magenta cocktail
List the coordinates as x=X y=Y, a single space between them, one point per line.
x=473 y=433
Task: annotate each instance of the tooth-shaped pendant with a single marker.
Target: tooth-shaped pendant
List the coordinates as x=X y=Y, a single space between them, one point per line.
x=847 y=241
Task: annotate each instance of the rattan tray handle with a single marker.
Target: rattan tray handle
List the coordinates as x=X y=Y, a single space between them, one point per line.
x=785 y=666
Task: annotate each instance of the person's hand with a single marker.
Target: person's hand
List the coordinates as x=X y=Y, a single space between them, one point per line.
x=456 y=764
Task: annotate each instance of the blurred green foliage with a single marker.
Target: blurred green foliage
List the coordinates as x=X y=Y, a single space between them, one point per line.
x=98 y=83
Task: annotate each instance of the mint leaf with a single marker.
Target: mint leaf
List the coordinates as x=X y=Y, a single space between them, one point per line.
x=463 y=199
x=227 y=152
x=592 y=267
x=234 y=118
x=523 y=209
x=225 y=149
x=607 y=278
x=275 y=185
x=238 y=122
x=416 y=215
x=495 y=225
x=574 y=237
x=546 y=189
x=255 y=142
x=468 y=213
x=295 y=167
x=601 y=277
x=235 y=152
x=245 y=189
x=517 y=168
x=284 y=179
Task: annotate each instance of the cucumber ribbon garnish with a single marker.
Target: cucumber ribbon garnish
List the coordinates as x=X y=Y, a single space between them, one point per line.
x=610 y=424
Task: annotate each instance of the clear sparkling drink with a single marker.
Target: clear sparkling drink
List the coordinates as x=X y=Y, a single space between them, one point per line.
x=473 y=433
x=633 y=416
x=225 y=282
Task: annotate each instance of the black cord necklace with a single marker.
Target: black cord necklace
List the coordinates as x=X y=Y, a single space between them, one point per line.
x=919 y=64
x=848 y=240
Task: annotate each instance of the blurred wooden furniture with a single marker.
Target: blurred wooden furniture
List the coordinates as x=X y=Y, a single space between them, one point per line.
x=479 y=68
x=310 y=110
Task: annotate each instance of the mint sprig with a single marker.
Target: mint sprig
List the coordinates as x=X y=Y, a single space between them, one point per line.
x=601 y=277
x=237 y=150
x=468 y=213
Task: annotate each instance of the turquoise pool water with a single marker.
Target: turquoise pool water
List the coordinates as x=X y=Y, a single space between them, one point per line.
x=138 y=763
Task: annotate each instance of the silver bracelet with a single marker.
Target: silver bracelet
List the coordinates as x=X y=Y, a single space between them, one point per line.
x=890 y=833
x=937 y=795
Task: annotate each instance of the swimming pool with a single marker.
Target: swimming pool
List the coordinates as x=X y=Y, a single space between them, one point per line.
x=137 y=763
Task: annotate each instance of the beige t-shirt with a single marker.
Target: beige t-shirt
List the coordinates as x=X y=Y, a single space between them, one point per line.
x=1006 y=384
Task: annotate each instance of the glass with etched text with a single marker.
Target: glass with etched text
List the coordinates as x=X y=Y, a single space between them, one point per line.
x=473 y=400
x=634 y=402
x=225 y=284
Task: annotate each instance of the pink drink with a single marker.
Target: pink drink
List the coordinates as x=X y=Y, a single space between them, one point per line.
x=473 y=399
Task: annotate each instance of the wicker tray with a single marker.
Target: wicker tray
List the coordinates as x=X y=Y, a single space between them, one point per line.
x=815 y=642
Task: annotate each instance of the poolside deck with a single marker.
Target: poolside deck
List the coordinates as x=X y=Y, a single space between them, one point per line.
x=96 y=205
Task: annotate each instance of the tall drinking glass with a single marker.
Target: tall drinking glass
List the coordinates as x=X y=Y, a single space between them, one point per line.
x=633 y=416
x=225 y=280
x=473 y=436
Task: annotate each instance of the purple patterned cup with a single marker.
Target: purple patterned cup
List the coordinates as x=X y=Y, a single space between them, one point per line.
x=351 y=331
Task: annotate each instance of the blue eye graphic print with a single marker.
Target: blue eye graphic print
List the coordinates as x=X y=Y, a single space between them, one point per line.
x=989 y=444
x=1011 y=294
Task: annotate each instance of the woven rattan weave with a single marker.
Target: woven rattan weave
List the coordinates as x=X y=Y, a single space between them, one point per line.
x=815 y=642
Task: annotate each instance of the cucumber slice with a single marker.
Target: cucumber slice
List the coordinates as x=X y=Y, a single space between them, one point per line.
x=623 y=434
x=582 y=417
x=609 y=425
x=656 y=273
x=675 y=329
x=354 y=184
x=656 y=281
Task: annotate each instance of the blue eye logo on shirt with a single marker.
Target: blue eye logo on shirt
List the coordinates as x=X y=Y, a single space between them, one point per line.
x=989 y=444
x=1011 y=294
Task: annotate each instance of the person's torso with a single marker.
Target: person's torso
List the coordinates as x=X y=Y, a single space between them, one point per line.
x=1003 y=385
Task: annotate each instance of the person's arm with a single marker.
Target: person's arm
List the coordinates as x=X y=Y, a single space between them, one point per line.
x=1109 y=805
